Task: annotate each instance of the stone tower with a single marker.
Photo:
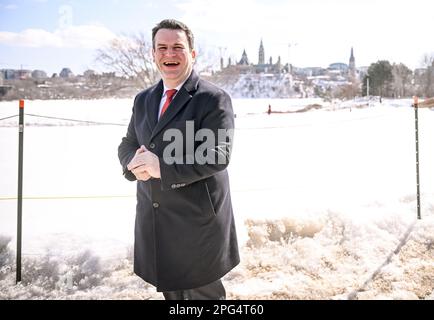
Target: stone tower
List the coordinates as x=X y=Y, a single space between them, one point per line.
x=261 y=59
x=352 y=64
x=244 y=60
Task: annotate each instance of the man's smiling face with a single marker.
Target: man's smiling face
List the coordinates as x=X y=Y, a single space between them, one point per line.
x=173 y=56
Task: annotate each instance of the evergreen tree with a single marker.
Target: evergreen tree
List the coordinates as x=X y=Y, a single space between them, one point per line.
x=380 y=79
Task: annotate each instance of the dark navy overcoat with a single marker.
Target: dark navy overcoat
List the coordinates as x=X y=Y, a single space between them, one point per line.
x=185 y=233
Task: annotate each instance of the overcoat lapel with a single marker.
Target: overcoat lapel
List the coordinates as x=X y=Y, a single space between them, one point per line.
x=179 y=102
x=153 y=104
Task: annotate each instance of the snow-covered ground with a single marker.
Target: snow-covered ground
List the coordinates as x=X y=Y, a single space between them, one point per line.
x=325 y=202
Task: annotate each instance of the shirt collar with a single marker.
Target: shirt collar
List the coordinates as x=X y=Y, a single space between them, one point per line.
x=177 y=88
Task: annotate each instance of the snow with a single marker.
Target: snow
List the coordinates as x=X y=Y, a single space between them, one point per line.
x=324 y=200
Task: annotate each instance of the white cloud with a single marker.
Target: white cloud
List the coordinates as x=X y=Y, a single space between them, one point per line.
x=84 y=36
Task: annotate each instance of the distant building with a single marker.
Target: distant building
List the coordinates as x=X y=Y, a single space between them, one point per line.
x=352 y=65
x=310 y=71
x=339 y=66
x=23 y=74
x=243 y=65
x=8 y=74
x=89 y=73
x=261 y=59
x=244 y=60
x=39 y=74
x=345 y=69
x=108 y=74
x=66 y=73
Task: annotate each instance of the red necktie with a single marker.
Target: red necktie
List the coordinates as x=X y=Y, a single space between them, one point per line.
x=170 y=93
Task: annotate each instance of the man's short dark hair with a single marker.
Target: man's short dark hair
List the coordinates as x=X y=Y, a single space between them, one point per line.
x=174 y=25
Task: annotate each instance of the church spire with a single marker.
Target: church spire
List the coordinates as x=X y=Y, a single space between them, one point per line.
x=352 y=64
x=261 y=59
x=244 y=60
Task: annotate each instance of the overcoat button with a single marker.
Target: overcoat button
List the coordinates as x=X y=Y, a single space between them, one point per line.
x=152 y=145
x=155 y=204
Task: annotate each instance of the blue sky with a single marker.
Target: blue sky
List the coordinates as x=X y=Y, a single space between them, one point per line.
x=52 y=34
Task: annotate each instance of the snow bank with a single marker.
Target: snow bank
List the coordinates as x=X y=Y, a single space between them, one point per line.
x=324 y=201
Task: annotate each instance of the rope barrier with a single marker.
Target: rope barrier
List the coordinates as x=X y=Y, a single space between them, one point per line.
x=310 y=124
x=75 y=120
x=68 y=119
x=8 y=117
x=241 y=128
x=353 y=295
x=65 y=257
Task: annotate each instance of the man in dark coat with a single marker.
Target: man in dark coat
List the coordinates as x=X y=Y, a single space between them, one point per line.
x=177 y=147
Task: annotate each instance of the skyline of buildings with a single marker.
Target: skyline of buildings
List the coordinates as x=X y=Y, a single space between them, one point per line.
x=242 y=66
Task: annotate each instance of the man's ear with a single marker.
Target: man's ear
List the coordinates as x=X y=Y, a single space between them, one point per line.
x=153 y=54
x=193 y=54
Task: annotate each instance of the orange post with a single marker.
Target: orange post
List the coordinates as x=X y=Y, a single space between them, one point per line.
x=20 y=188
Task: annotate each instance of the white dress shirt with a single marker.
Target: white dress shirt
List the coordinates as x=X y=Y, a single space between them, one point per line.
x=164 y=97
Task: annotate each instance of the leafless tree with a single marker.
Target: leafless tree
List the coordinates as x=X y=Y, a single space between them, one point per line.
x=402 y=77
x=428 y=75
x=130 y=56
x=348 y=91
x=207 y=59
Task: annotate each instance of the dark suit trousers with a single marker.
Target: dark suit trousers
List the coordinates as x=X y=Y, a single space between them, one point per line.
x=212 y=291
